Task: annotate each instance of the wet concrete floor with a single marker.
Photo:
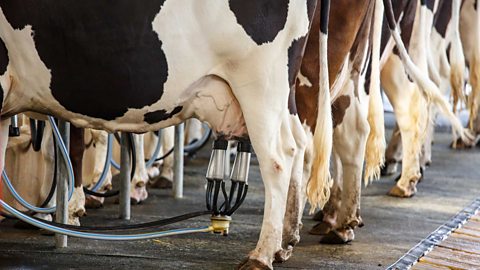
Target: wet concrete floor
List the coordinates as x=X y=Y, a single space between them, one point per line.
x=392 y=225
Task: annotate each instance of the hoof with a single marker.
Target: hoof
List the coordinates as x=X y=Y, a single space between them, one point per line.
x=153 y=171
x=92 y=202
x=419 y=179
x=338 y=237
x=284 y=254
x=460 y=145
x=421 y=175
x=134 y=201
x=360 y=222
x=161 y=183
x=80 y=213
x=74 y=221
x=318 y=216
x=321 y=228
x=396 y=191
x=251 y=264
x=138 y=194
x=389 y=168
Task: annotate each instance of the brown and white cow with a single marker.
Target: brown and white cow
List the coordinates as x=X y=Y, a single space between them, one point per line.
x=357 y=109
x=446 y=68
x=411 y=100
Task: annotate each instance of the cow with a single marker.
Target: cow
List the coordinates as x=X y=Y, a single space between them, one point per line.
x=357 y=109
x=229 y=64
x=411 y=106
x=340 y=218
x=446 y=68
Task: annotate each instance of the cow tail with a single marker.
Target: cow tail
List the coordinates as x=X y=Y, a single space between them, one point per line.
x=457 y=58
x=375 y=149
x=318 y=189
x=426 y=86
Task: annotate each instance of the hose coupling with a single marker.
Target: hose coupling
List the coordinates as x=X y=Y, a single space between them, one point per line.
x=220 y=224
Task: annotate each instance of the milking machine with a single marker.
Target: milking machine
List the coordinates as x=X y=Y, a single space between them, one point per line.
x=216 y=184
x=14 y=129
x=238 y=179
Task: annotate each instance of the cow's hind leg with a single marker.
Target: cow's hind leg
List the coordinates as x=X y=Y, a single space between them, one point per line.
x=393 y=154
x=276 y=150
x=411 y=113
x=296 y=195
x=272 y=138
x=329 y=213
x=350 y=137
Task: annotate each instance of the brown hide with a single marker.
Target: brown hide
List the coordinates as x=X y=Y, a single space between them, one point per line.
x=346 y=17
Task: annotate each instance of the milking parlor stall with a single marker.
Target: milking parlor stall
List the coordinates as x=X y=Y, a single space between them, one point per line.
x=239 y=134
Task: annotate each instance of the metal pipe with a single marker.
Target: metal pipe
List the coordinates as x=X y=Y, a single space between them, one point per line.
x=125 y=177
x=178 y=161
x=61 y=213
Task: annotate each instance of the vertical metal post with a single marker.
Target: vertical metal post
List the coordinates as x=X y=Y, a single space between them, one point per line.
x=178 y=161
x=61 y=215
x=125 y=168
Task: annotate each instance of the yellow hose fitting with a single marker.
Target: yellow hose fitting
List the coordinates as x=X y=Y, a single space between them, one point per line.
x=220 y=224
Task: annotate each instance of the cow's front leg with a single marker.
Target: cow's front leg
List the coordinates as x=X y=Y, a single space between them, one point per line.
x=164 y=180
x=99 y=144
x=76 y=206
x=393 y=154
x=296 y=194
x=138 y=191
x=426 y=154
x=276 y=149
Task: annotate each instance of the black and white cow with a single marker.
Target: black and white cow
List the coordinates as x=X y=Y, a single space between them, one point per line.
x=139 y=67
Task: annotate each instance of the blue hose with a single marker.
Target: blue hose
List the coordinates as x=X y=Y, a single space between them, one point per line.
x=66 y=158
x=99 y=236
x=106 y=167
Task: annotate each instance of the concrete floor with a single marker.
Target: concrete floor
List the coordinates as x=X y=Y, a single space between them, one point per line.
x=392 y=226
